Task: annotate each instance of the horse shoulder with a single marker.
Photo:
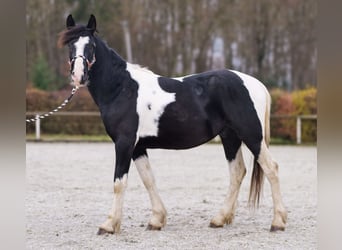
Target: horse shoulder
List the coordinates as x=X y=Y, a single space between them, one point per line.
x=151 y=100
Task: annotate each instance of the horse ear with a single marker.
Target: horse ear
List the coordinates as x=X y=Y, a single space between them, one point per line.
x=70 y=22
x=92 y=23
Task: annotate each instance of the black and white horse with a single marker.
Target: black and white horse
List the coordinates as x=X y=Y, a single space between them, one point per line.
x=141 y=110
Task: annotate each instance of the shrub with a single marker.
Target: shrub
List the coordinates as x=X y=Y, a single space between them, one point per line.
x=42 y=76
x=305 y=103
x=38 y=100
x=284 y=128
x=302 y=102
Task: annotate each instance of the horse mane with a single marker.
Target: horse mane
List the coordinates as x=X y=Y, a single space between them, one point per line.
x=68 y=35
x=140 y=68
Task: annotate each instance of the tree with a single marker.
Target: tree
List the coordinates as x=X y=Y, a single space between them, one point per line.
x=272 y=40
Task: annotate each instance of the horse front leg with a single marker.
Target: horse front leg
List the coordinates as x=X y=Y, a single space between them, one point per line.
x=124 y=151
x=141 y=161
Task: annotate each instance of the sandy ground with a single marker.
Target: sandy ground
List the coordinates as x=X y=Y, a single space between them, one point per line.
x=69 y=192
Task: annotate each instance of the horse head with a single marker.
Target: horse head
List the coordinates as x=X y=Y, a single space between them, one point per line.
x=81 y=42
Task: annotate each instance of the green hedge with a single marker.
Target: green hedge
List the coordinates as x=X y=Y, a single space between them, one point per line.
x=42 y=101
x=301 y=102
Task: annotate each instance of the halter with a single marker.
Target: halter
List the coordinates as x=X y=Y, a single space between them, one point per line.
x=89 y=63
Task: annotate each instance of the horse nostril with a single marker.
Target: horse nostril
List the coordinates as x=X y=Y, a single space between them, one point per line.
x=73 y=72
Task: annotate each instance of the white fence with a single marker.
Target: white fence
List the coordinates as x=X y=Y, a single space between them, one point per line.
x=299 y=119
x=69 y=113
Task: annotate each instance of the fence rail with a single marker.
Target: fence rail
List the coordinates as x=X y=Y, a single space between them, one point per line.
x=298 y=118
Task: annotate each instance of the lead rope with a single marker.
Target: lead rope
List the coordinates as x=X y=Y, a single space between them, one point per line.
x=73 y=91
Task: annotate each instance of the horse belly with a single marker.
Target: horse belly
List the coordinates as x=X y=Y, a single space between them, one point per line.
x=173 y=142
x=183 y=129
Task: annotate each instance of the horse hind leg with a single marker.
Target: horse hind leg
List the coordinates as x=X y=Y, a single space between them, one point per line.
x=237 y=170
x=270 y=169
x=158 y=219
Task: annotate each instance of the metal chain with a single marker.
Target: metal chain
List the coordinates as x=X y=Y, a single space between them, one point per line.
x=73 y=91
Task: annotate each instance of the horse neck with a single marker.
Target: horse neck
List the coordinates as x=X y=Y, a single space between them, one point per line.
x=107 y=74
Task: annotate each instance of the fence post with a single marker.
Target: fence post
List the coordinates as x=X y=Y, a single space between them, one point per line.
x=37 y=127
x=299 y=130
x=127 y=40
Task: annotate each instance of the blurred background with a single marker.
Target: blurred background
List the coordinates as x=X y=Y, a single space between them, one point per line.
x=272 y=40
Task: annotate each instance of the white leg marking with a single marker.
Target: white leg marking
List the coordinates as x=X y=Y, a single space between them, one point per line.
x=270 y=169
x=113 y=223
x=237 y=171
x=158 y=219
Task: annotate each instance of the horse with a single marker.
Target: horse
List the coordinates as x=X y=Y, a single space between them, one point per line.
x=142 y=110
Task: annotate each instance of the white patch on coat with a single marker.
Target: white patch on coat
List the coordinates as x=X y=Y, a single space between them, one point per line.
x=151 y=102
x=78 y=64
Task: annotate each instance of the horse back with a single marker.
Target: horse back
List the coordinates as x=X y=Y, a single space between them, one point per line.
x=203 y=105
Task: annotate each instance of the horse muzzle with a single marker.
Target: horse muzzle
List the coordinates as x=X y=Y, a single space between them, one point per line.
x=79 y=72
x=79 y=81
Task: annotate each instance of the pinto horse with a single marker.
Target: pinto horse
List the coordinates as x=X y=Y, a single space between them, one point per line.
x=142 y=110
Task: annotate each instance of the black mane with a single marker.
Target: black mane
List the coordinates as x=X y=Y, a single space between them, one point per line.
x=71 y=34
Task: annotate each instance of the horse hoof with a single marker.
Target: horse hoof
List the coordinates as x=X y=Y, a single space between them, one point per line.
x=153 y=228
x=101 y=231
x=212 y=225
x=276 y=228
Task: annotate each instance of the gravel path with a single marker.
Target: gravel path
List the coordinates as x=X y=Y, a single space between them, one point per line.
x=69 y=192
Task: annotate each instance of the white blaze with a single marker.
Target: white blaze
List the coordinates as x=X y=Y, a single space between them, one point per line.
x=78 y=64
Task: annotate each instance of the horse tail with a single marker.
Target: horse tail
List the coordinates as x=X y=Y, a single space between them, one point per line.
x=257 y=180
x=267 y=119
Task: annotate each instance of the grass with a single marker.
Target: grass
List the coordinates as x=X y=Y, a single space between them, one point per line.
x=69 y=138
x=106 y=138
x=281 y=141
